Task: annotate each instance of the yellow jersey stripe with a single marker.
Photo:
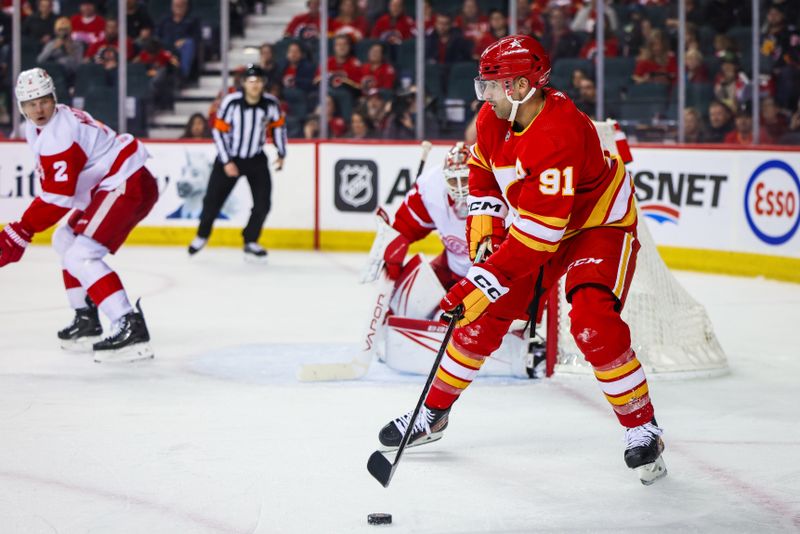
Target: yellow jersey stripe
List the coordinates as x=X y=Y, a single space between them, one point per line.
x=604 y=202
x=478 y=163
x=623 y=265
x=555 y=222
x=464 y=360
x=532 y=243
x=450 y=380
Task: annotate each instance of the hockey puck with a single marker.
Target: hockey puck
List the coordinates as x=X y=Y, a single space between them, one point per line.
x=379 y=519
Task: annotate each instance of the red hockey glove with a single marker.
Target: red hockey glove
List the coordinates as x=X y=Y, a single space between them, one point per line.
x=395 y=255
x=475 y=292
x=486 y=220
x=13 y=240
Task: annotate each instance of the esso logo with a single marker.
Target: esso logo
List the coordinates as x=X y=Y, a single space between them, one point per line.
x=772 y=202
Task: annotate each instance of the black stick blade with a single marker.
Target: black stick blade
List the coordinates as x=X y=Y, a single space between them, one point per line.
x=380 y=468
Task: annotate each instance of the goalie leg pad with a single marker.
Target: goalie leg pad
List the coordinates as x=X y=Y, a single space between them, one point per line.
x=417 y=291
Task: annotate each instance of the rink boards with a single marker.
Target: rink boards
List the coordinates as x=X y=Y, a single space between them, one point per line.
x=719 y=210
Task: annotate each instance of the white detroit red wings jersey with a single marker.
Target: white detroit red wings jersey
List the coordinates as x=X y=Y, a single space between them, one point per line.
x=428 y=207
x=76 y=155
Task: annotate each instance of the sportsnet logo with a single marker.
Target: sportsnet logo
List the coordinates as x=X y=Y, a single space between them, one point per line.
x=662 y=195
x=661 y=213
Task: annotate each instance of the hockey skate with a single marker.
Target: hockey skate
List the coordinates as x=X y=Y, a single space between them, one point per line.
x=254 y=253
x=84 y=331
x=643 y=448
x=129 y=342
x=196 y=245
x=428 y=427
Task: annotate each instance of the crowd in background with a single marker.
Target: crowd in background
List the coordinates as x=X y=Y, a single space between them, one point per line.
x=371 y=64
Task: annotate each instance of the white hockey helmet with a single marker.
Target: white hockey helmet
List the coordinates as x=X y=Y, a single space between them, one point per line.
x=456 y=172
x=32 y=84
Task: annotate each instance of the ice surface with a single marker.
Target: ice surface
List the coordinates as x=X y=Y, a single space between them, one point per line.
x=216 y=435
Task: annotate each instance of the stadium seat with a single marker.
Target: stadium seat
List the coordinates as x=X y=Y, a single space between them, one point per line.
x=88 y=75
x=297 y=101
x=640 y=111
x=59 y=75
x=648 y=91
x=434 y=80
x=564 y=67
x=406 y=56
x=344 y=101
x=619 y=67
x=362 y=48
x=101 y=103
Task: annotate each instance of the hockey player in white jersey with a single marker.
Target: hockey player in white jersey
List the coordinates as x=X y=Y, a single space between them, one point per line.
x=86 y=168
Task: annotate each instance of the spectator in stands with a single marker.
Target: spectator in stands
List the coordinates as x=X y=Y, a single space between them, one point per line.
x=636 y=33
x=360 y=126
x=39 y=25
x=5 y=45
x=197 y=128
x=180 y=31
x=529 y=18
x=656 y=62
x=472 y=23
x=694 y=16
x=446 y=44
x=63 y=49
x=781 y=44
x=138 y=21
x=743 y=132
x=377 y=73
x=110 y=40
x=160 y=64
x=696 y=71
x=731 y=87
x=587 y=97
x=774 y=121
x=349 y=22
x=305 y=25
x=611 y=48
x=574 y=87
x=430 y=16
x=399 y=122
x=585 y=19
x=720 y=119
x=498 y=28
x=337 y=127
x=792 y=137
x=269 y=64
x=723 y=46
x=558 y=39
x=344 y=69
x=395 y=26
x=694 y=130
x=295 y=70
x=87 y=26
x=376 y=109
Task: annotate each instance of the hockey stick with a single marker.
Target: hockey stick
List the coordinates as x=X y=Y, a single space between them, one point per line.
x=358 y=367
x=378 y=465
x=533 y=312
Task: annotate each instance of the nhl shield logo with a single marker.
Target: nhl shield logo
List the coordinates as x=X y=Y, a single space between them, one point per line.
x=356 y=184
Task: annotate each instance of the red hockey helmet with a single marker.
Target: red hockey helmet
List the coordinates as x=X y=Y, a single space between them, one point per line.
x=514 y=56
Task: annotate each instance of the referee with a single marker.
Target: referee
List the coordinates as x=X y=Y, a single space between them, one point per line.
x=239 y=132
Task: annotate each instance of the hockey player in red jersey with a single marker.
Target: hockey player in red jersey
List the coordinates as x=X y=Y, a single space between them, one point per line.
x=574 y=213
x=84 y=166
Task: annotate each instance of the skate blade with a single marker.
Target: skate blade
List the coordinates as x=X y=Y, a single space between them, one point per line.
x=649 y=473
x=249 y=258
x=430 y=438
x=83 y=344
x=139 y=351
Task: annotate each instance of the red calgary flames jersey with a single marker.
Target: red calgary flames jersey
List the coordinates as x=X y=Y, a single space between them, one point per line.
x=555 y=176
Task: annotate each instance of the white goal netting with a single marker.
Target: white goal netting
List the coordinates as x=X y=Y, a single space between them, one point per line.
x=670 y=331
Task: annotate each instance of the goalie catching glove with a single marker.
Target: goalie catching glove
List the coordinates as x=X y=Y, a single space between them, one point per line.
x=13 y=240
x=486 y=220
x=482 y=286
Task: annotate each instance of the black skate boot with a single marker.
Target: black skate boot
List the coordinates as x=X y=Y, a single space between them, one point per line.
x=84 y=331
x=643 y=448
x=129 y=342
x=254 y=253
x=429 y=426
x=197 y=245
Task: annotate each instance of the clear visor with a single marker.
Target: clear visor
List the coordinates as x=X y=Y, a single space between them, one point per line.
x=457 y=183
x=488 y=89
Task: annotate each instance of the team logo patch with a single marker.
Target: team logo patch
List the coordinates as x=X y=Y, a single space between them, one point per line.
x=356 y=185
x=771 y=202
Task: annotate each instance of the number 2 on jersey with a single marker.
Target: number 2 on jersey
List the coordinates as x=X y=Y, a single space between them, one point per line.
x=61 y=171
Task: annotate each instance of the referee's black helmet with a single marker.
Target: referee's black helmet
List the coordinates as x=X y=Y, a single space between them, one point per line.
x=253 y=70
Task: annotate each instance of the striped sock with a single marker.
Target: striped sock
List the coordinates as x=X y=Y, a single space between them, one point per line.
x=456 y=372
x=625 y=386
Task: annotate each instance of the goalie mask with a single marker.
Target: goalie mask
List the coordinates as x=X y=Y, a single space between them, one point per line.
x=33 y=84
x=456 y=176
x=512 y=57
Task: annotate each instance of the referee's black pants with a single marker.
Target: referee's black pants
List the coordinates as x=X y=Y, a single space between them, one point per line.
x=220 y=186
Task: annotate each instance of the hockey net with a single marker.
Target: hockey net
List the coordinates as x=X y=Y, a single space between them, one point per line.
x=670 y=331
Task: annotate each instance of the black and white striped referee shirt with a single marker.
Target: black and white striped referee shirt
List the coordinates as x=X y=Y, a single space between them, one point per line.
x=240 y=130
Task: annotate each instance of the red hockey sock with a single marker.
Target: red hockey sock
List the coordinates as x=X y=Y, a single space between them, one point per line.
x=455 y=374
